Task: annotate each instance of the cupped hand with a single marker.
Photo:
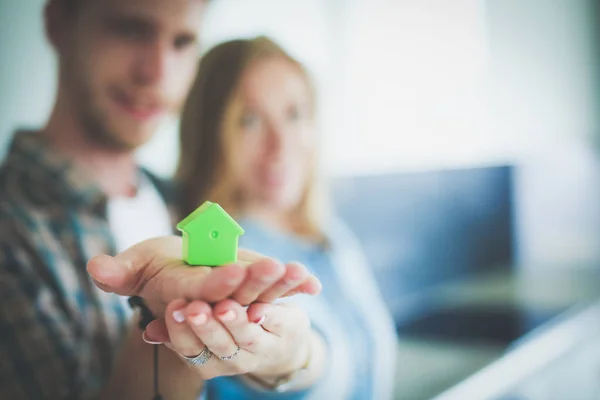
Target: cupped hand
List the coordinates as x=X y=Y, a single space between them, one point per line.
x=153 y=269
x=264 y=339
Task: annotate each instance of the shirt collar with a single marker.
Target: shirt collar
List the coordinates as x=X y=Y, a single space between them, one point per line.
x=49 y=174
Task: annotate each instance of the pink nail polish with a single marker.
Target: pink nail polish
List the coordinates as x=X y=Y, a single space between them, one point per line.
x=145 y=339
x=198 y=319
x=178 y=316
x=227 y=316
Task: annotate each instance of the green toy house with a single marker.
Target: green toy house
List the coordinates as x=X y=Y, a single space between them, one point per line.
x=210 y=236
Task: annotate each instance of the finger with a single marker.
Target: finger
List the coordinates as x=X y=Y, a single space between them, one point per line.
x=311 y=286
x=279 y=319
x=219 y=284
x=183 y=340
x=295 y=275
x=248 y=335
x=157 y=332
x=246 y=256
x=260 y=276
x=184 y=282
x=208 y=330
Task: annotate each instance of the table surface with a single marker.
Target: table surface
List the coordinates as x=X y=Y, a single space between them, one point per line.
x=438 y=364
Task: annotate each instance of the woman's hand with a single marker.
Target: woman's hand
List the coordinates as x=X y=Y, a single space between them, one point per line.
x=273 y=339
x=153 y=269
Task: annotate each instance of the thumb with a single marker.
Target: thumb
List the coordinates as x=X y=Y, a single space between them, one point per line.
x=112 y=274
x=123 y=273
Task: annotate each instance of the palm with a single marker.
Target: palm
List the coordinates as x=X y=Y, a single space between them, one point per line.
x=154 y=270
x=164 y=277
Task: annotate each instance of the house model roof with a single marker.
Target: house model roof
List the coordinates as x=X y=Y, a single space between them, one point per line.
x=209 y=208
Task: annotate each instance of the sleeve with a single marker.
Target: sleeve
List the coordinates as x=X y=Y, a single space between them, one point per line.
x=362 y=283
x=39 y=357
x=227 y=388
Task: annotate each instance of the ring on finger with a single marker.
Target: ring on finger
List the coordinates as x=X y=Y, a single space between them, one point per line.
x=231 y=356
x=201 y=359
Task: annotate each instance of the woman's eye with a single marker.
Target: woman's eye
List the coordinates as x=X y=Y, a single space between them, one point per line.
x=249 y=120
x=294 y=114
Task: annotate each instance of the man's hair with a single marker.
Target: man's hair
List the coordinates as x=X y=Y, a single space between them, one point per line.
x=72 y=5
x=69 y=6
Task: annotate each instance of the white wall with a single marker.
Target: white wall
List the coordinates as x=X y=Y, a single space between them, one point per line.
x=543 y=95
x=542 y=86
x=414 y=77
x=27 y=77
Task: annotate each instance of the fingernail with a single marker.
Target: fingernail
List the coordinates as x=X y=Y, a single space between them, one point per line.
x=145 y=339
x=227 y=316
x=98 y=282
x=178 y=316
x=260 y=320
x=198 y=319
x=319 y=284
x=104 y=269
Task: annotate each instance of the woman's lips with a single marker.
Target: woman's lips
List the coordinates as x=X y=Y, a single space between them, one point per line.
x=274 y=179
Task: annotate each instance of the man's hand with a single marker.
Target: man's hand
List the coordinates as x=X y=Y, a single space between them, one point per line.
x=154 y=270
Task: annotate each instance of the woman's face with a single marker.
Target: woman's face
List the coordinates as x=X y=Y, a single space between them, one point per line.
x=274 y=136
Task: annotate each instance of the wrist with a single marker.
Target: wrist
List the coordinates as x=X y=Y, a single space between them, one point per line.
x=297 y=361
x=300 y=373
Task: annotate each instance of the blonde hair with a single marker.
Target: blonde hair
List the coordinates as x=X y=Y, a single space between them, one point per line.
x=204 y=170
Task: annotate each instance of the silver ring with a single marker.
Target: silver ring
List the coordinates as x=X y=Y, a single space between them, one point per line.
x=201 y=358
x=231 y=356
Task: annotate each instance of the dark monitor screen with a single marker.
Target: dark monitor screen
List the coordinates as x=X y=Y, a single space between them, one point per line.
x=419 y=229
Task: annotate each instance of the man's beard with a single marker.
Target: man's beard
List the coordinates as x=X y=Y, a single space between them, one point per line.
x=96 y=125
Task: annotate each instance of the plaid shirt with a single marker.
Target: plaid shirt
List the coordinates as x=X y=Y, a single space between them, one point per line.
x=59 y=334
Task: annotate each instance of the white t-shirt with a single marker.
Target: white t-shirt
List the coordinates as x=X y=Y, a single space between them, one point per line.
x=137 y=218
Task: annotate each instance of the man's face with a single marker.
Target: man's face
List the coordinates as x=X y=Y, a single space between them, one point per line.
x=127 y=64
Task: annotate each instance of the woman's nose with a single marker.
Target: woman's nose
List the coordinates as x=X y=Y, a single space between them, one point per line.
x=276 y=141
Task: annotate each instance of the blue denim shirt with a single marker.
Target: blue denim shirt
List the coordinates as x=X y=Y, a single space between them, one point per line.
x=349 y=313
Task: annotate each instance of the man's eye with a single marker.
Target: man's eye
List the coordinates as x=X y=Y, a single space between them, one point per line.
x=184 y=41
x=130 y=30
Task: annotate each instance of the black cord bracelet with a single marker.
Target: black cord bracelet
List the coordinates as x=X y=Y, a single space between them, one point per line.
x=146 y=318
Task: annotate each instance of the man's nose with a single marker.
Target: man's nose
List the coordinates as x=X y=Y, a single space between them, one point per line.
x=152 y=64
